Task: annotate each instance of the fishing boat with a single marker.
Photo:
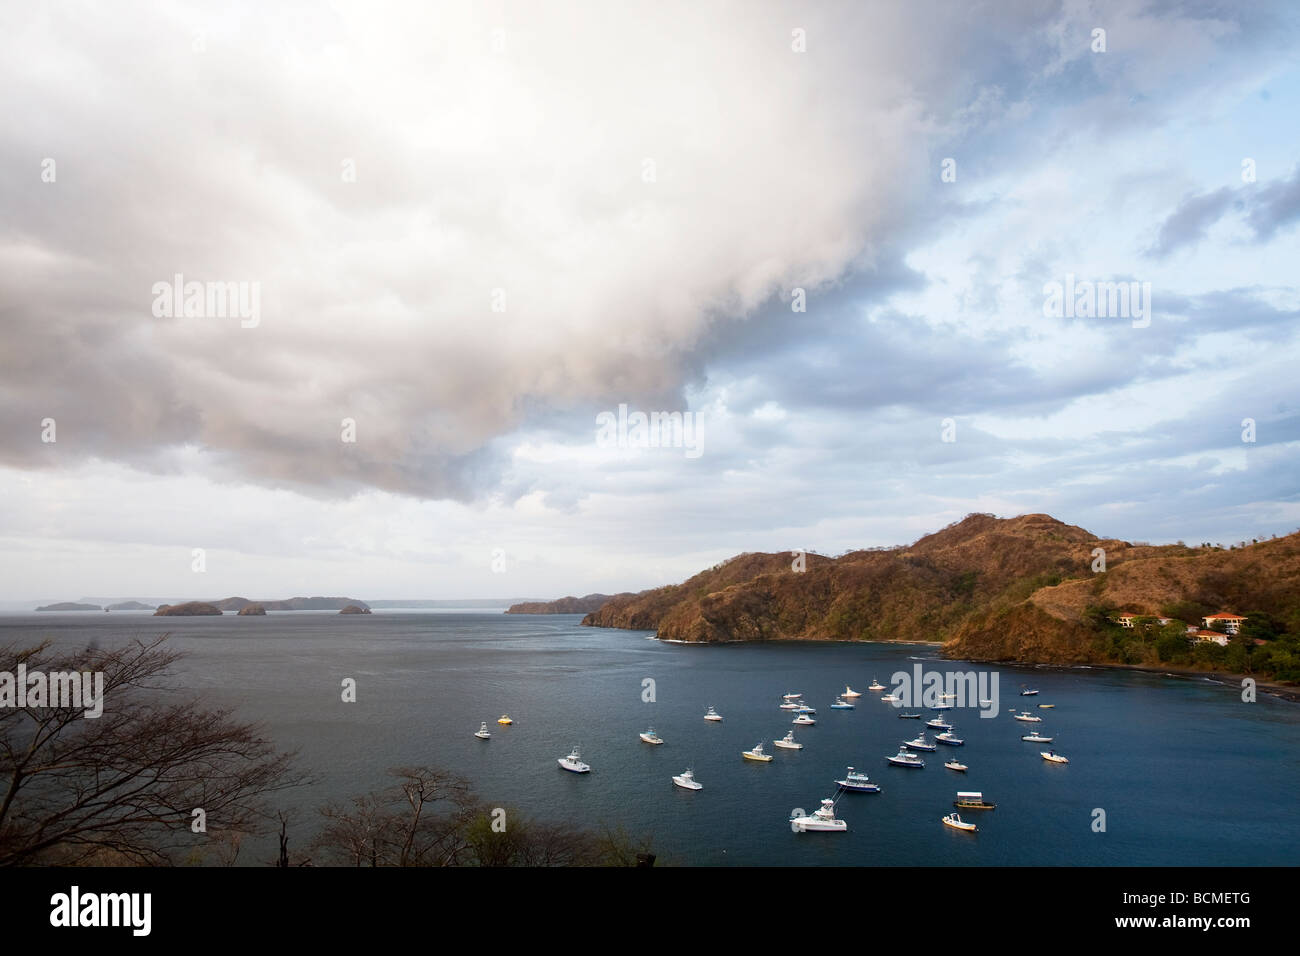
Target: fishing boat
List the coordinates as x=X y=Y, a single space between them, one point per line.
x=686 y=780
x=905 y=759
x=955 y=821
x=1028 y=693
x=875 y=686
x=956 y=765
x=1037 y=738
x=857 y=782
x=573 y=762
x=1052 y=756
x=483 y=733
x=938 y=723
x=891 y=698
x=849 y=693
x=920 y=743
x=1029 y=718
x=792 y=696
x=756 y=753
x=505 y=720
x=949 y=738
x=788 y=742
x=651 y=737
x=972 y=800
x=842 y=705
x=712 y=714
x=805 y=709
x=803 y=720
x=909 y=716
x=941 y=706
x=789 y=705
x=1046 y=706
x=822 y=820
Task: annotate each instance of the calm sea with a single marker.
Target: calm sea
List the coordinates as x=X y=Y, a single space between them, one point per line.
x=1185 y=773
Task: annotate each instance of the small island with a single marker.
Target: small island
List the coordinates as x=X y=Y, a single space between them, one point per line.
x=188 y=609
x=70 y=606
x=252 y=610
x=129 y=606
x=354 y=609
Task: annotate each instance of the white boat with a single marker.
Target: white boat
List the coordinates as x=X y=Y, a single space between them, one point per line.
x=804 y=720
x=850 y=693
x=949 y=738
x=651 y=737
x=1029 y=718
x=1052 y=756
x=920 y=743
x=956 y=765
x=906 y=759
x=1037 y=739
x=891 y=698
x=712 y=714
x=955 y=821
x=483 y=733
x=788 y=742
x=875 y=685
x=792 y=696
x=789 y=705
x=686 y=780
x=1029 y=693
x=941 y=707
x=938 y=723
x=574 y=762
x=756 y=753
x=805 y=709
x=856 y=781
x=822 y=820
x=947 y=696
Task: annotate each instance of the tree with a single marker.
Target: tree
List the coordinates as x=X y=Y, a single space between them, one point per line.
x=123 y=787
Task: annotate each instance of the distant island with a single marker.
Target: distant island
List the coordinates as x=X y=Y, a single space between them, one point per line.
x=188 y=609
x=252 y=610
x=354 y=609
x=129 y=606
x=292 y=604
x=70 y=606
x=1029 y=589
x=566 y=605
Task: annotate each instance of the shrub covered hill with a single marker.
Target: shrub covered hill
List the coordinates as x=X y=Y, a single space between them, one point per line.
x=998 y=589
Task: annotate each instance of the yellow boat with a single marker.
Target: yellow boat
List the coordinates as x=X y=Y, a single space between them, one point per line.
x=504 y=719
x=1046 y=706
x=756 y=754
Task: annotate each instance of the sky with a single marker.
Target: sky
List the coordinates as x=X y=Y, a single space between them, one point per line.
x=459 y=237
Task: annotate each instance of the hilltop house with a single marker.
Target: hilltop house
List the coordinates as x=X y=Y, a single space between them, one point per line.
x=1127 y=620
x=1231 y=622
x=1208 y=637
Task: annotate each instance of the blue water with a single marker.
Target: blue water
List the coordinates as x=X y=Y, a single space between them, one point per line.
x=1186 y=773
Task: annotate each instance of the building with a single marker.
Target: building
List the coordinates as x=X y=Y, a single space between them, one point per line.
x=1231 y=622
x=1210 y=637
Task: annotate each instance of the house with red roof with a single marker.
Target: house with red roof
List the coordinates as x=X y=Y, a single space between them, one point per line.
x=1231 y=622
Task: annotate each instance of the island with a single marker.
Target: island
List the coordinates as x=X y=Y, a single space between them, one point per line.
x=566 y=605
x=291 y=604
x=252 y=610
x=70 y=606
x=188 y=609
x=355 y=609
x=129 y=606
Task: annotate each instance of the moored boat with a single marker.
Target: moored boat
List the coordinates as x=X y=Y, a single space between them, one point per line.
x=1028 y=718
x=1051 y=756
x=972 y=800
x=686 y=780
x=573 y=762
x=822 y=820
x=788 y=742
x=920 y=743
x=483 y=733
x=1037 y=738
x=505 y=720
x=849 y=693
x=651 y=737
x=875 y=686
x=955 y=821
x=938 y=723
x=910 y=716
x=906 y=759
x=756 y=753
x=841 y=704
x=803 y=720
x=856 y=781
x=712 y=714
x=949 y=738
x=957 y=765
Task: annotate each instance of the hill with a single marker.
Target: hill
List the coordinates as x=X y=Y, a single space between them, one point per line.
x=565 y=605
x=1000 y=589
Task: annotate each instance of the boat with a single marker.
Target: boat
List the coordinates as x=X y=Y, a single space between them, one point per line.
x=803 y=719
x=972 y=800
x=905 y=759
x=792 y=696
x=788 y=742
x=920 y=743
x=822 y=820
x=574 y=762
x=483 y=733
x=1036 y=738
x=949 y=738
x=956 y=765
x=941 y=707
x=947 y=696
x=789 y=705
x=712 y=714
x=651 y=737
x=875 y=686
x=938 y=723
x=843 y=705
x=1028 y=718
x=756 y=753
x=1052 y=756
x=909 y=716
x=955 y=821
x=505 y=720
x=805 y=709
x=892 y=699
x=686 y=780
x=857 y=782
x=1046 y=706
x=1028 y=693
x=849 y=693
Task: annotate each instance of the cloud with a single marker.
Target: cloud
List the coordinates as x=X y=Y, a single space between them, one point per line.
x=1275 y=207
x=1188 y=223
